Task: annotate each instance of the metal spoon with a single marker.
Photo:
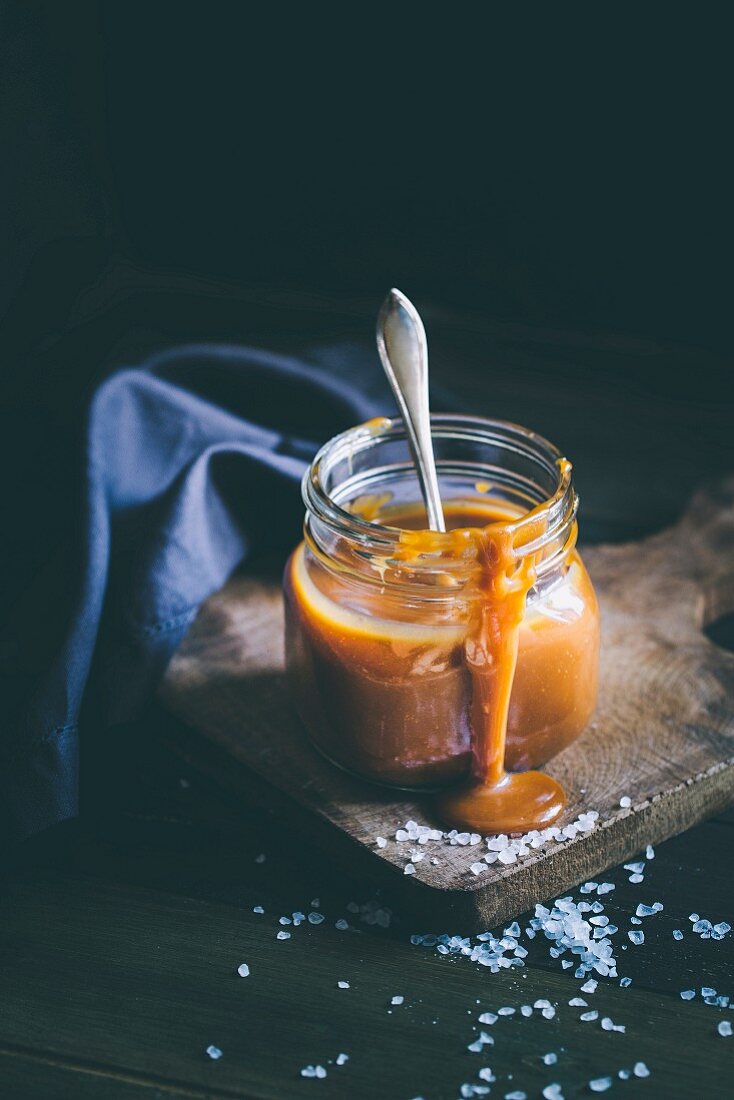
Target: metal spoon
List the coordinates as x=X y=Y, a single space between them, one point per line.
x=403 y=348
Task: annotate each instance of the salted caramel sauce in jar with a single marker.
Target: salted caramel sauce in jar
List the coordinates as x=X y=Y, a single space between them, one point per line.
x=418 y=658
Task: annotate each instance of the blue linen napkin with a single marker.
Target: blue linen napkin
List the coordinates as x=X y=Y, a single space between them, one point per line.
x=192 y=463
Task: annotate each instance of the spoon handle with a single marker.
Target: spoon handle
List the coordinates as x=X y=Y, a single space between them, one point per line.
x=403 y=348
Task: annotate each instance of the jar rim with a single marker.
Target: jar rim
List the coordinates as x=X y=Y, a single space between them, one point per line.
x=559 y=506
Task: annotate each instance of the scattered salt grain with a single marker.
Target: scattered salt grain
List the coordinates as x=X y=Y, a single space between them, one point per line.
x=687 y=994
x=526 y=1010
x=587 y=1017
x=550 y=1059
x=409 y=869
x=553 y=1092
x=342 y=924
x=724 y=1029
x=707 y=991
x=284 y=920
x=702 y=926
x=397 y=1000
x=625 y=802
x=722 y=928
x=258 y=909
x=343 y=985
x=640 y=1070
x=625 y=982
x=380 y=842
x=516 y=1095
x=649 y=852
x=486 y=1075
x=677 y=934
x=488 y=1018
x=600 y=1084
x=635 y=868
x=590 y=986
x=260 y=858
x=694 y=917
x=645 y=910
x=506 y=1011
x=315 y=918
x=478 y=868
x=243 y=970
x=283 y=936
x=635 y=879
x=578 y=1002
x=549 y=1013
x=605 y=887
x=342 y=1059
x=214 y=1053
x=313 y=1071
x=636 y=937
x=624 y=1074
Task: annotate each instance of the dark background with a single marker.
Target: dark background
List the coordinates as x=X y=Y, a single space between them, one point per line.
x=551 y=187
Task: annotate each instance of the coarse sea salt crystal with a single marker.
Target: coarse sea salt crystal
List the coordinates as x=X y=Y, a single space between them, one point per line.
x=635 y=879
x=284 y=920
x=600 y=1084
x=343 y=985
x=283 y=936
x=677 y=934
x=488 y=1018
x=506 y=1011
x=590 y=986
x=625 y=802
x=486 y=1074
x=645 y=910
x=550 y=1059
x=526 y=1010
x=409 y=869
x=722 y=928
x=258 y=909
x=708 y=991
x=636 y=937
x=243 y=970
x=649 y=852
x=381 y=842
x=518 y=1094
x=688 y=994
x=342 y=925
x=548 y=1013
x=693 y=918
x=578 y=1002
x=342 y=1059
x=478 y=868
x=724 y=1029
x=587 y=1017
x=553 y=1092
x=635 y=868
x=315 y=918
x=625 y=982
x=640 y=1070
x=605 y=887
x=397 y=1000
x=624 y=1074
x=214 y=1052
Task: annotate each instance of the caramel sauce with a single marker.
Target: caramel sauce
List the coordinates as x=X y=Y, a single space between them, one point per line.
x=424 y=694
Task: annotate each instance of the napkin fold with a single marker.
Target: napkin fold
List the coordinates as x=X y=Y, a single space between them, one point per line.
x=192 y=463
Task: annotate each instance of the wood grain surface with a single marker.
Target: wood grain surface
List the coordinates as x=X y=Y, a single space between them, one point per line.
x=663 y=734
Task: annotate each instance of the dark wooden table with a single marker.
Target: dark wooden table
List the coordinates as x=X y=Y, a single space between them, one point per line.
x=121 y=934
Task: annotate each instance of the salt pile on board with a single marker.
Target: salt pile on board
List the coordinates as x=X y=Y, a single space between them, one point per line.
x=503 y=849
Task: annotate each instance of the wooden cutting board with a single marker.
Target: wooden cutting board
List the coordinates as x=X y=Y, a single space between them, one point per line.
x=663 y=734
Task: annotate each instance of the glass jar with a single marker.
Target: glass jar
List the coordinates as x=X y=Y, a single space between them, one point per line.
x=378 y=639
